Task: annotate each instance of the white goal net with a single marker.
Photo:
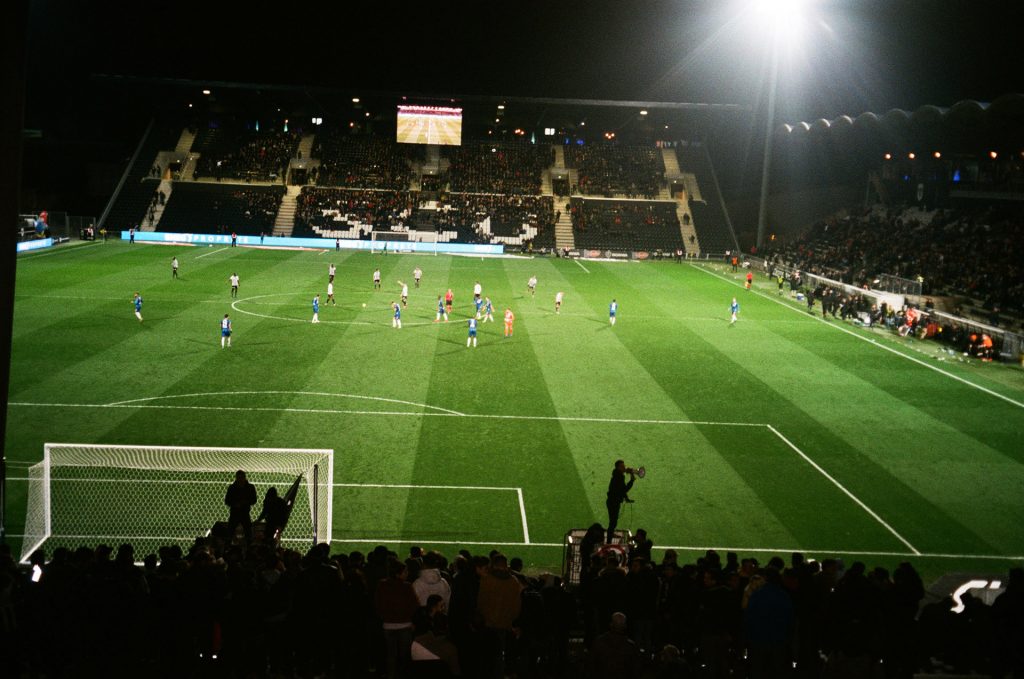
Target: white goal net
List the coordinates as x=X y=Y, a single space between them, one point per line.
x=151 y=496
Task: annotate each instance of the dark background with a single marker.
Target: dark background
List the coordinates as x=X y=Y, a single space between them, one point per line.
x=854 y=56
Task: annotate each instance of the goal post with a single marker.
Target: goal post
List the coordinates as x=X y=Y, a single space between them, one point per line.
x=151 y=496
x=394 y=241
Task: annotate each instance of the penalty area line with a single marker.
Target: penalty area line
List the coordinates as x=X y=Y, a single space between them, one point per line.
x=843 y=488
x=580 y=265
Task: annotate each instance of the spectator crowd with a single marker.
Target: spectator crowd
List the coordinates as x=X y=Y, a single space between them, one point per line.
x=230 y=153
x=611 y=170
x=229 y=610
x=976 y=252
x=508 y=168
x=626 y=225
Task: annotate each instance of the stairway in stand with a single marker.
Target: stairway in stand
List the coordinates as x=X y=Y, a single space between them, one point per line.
x=166 y=185
x=185 y=141
x=284 y=223
x=564 y=237
x=686 y=228
x=306 y=146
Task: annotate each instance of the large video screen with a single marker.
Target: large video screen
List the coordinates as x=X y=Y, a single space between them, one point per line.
x=429 y=125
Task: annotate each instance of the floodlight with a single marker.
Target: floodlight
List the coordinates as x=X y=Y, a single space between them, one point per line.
x=993 y=155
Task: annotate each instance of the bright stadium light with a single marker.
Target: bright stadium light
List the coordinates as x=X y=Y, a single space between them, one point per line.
x=783 y=21
x=911 y=155
x=937 y=155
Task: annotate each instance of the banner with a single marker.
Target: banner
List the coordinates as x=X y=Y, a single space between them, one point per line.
x=313 y=243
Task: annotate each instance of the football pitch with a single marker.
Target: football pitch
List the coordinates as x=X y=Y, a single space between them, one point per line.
x=781 y=432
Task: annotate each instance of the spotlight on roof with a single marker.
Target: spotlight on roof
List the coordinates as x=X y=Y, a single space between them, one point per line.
x=501 y=107
x=911 y=155
x=355 y=100
x=206 y=92
x=888 y=156
x=993 y=155
x=643 y=113
x=937 y=155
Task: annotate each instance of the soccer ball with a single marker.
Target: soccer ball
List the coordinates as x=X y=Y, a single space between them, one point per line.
x=364 y=305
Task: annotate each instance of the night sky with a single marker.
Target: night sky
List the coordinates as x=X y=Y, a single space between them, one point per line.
x=871 y=56
x=853 y=56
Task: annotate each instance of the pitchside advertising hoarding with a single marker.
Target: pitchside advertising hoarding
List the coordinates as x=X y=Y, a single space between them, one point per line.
x=313 y=243
x=35 y=244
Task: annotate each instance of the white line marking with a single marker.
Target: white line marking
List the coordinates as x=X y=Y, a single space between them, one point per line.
x=303 y=320
x=870 y=340
x=290 y=393
x=212 y=252
x=539 y=418
x=415 y=486
x=843 y=488
x=522 y=513
x=580 y=265
x=31 y=255
x=270 y=483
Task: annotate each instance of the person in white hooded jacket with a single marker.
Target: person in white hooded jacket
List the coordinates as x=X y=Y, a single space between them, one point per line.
x=430 y=581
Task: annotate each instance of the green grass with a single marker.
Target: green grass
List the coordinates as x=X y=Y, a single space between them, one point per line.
x=775 y=434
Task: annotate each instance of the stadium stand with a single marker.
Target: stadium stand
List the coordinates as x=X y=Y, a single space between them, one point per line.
x=360 y=161
x=974 y=251
x=221 y=208
x=350 y=213
x=714 y=232
x=229 y=150
x=612 y=171
x=493 y=218
x=133 y=201
x=505 y=167
x=625 y=225
x=243 y=610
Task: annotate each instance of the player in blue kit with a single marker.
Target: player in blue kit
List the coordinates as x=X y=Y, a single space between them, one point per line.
x=137 y=300
x=441 y=311
x=316 y=309
x=479 y=305
x=225 y=331
x=488 y=310
x=472 y=332
x=396 y=321
x=735 y=309
x=613 y=308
